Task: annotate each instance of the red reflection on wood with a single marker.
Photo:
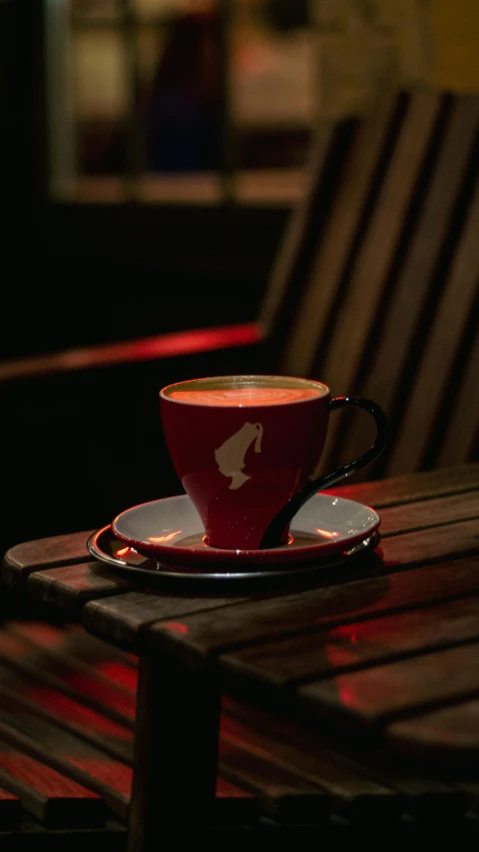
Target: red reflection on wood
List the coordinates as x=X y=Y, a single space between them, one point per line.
x=123 y=675
x=112 y=697
x=111 y=772
x=72 y=711
x=46 y=780
x=177 y=626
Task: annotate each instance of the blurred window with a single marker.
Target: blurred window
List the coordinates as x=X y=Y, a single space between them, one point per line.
x=208 y=100
x=214 y=100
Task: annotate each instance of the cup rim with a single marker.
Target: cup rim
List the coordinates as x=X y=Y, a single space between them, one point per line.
x=244 y=378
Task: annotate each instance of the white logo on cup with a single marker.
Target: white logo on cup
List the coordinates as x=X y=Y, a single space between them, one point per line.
x=230 y=456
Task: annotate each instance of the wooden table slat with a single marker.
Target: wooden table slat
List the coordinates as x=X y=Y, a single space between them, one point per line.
x=449 y=735
x=372 y=697
x=276 y=774
x=448 y=541
x=353 y=646
x=411 y=487
x=52 y=746
x=356 y=781
x=74 y=718
x=202 y=637
x=19 y=561
x=57 y=801
x=73 y=585
x=70 y=587
x=80 y=650
x=93 y=692
x=125 y=617
x=429 y=513
x=281 y=793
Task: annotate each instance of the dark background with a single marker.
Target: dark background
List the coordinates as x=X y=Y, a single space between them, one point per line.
x=75 y=449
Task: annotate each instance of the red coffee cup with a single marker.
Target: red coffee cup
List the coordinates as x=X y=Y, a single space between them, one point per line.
x=246 y=448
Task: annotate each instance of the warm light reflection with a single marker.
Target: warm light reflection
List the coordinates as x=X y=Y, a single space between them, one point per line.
x=327 y=533
x=161 y=539
x=123 y=551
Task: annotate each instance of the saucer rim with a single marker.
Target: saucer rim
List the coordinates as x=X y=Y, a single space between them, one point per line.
x=256 y=572
x=175 y=554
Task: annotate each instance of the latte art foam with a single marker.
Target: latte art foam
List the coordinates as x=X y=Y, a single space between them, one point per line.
x=245 y=396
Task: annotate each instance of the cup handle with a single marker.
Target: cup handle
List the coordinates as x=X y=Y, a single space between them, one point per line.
x=273 y=532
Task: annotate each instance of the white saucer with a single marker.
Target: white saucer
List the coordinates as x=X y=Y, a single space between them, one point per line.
x=171 y=530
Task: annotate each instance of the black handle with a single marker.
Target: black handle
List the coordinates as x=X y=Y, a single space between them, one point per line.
x=272 y=535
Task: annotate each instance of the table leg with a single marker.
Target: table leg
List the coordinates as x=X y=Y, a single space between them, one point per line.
x=176 y=753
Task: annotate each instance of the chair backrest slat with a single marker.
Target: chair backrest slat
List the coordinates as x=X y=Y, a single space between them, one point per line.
x=335 y=245
x=384 y=305
x=460 y=441
x=374 y=265
x=390 y=367
x=433 y=393
x=292 y=264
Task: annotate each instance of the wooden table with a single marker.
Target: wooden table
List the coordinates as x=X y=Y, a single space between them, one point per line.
x=367 y=677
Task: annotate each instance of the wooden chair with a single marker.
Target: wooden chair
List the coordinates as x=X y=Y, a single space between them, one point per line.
x=387 y=308
x=374 y=291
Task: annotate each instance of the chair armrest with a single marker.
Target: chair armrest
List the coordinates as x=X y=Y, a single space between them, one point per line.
x=158 y=348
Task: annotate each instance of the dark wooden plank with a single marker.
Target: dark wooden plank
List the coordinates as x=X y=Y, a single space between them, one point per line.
x=232 y=805
x=68 y=588
x=349 y=770
x=176 y=747
x=281 y=793
x=84 y=687
x=52 y=746
x=409 y=488
x=114 y=740
x=281 y=664
x=291 y=782
x=80 y=648
x=201 y=637
x=429 y=513
x=449 y=735
x=372 y=697
x=110 y=676
x=57 y=801
x=10 y=810
x=448 y=541
x=123 y=619
x=20 y=560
